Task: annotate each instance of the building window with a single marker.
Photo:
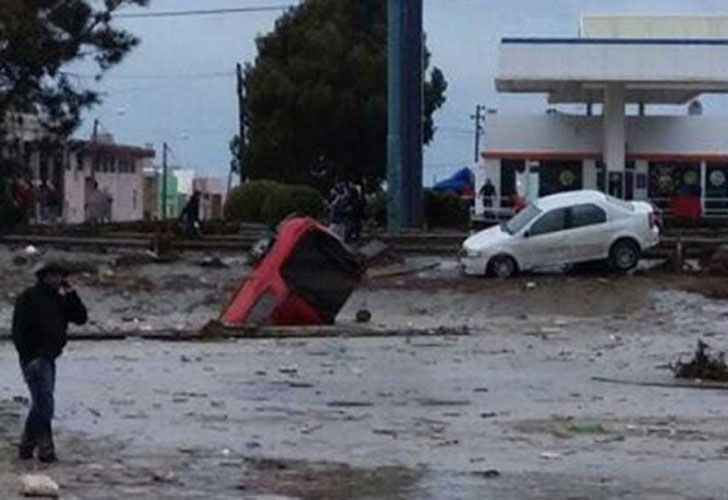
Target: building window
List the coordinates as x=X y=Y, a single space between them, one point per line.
x=134 y=199
x=716 y=187
x=558 y=176
x=673 y=178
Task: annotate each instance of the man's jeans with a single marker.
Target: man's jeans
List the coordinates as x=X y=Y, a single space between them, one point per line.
x=40 y=375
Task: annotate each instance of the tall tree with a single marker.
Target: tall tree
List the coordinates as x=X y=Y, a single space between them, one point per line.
x=38 y=40
x=39 y=37
x=317 y=95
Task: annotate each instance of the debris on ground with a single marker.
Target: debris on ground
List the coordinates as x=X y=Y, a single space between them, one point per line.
x=143 y=258
x=212 y=262
x=31 y=250
x=363 y=316
x=403 y=270
x=38 y=485
x=377 y=253
x=707 y=364
x=487 y=474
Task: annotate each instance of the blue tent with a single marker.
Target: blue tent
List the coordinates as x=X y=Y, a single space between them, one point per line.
x=458 y=182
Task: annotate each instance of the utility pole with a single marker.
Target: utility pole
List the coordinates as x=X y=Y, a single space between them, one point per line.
x=164 y=181
x=405 y=109
x=242 y=113
x=94 y=146
x=479 y=116
x=395 y=196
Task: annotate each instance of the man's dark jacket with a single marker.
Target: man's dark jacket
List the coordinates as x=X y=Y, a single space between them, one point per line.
x=40 y=321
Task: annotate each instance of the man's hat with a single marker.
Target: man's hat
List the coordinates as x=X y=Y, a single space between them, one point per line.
x=50 y=267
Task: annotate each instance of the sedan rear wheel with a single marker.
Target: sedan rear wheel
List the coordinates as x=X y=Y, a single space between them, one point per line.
x=503 y=266
x=624 y=256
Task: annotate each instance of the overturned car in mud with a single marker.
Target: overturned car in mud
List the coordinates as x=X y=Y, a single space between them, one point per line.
x=303 y=276
x=564 y=229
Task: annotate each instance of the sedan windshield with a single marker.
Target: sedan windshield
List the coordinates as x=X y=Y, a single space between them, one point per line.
x=521 y=219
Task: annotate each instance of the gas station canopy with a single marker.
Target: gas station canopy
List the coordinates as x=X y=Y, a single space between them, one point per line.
x=578 y=70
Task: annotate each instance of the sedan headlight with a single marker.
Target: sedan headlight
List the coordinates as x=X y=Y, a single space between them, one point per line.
x=472 y=254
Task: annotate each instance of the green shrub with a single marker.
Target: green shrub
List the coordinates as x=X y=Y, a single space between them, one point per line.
x=246 y=201
x=290 y=200
x=445 y=210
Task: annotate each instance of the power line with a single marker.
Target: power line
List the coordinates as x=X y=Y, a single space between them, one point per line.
x=159 y=76
x=204 y=12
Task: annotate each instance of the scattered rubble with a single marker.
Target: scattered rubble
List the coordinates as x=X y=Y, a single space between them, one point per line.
x=38 y=485
x=706 y=364
x=212 y=262
x=363 y=316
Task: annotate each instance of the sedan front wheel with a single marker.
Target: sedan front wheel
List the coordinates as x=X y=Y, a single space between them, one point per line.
x=502 y=266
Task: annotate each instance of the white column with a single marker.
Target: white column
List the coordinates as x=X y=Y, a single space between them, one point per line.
x=641 y=168
x=493 y=172
x=614 y=128
x=589 y=174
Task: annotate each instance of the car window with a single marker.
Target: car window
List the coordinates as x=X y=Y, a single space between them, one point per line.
x=552 y=221
x=521 y=219
x=587 y=215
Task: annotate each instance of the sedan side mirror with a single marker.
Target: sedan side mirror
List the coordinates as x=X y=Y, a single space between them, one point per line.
x=527 y=234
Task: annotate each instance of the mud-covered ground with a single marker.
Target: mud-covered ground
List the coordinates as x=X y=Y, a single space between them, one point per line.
x=509 y=411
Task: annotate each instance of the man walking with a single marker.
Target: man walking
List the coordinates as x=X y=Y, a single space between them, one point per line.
x=40 y=323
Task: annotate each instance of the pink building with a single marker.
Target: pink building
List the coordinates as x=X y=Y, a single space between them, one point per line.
x=117 y=169
x=71 y=168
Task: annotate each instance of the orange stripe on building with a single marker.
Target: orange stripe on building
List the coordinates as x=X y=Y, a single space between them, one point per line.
x=586 y=155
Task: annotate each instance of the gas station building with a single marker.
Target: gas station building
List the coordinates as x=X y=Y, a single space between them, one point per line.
x=623 y=71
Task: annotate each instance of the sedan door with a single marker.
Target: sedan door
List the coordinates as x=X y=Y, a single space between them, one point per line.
x=588 y=232
x=544 y=244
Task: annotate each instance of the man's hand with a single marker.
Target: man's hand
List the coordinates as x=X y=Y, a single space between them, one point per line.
x=66 y=287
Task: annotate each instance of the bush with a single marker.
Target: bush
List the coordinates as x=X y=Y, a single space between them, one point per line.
x=445 y=210
x=289 y=200
x=246 y=201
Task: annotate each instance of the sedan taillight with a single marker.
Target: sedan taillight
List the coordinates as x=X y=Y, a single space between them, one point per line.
x=654 y=220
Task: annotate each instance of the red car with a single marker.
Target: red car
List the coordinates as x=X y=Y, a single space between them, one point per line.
x=305 y=278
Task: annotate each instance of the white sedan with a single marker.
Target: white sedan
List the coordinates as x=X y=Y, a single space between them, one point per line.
x=563 y=229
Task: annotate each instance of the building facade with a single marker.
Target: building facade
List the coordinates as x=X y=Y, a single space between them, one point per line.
x=213 y=192
x=72 y=169
x=116 y=170
x=616 y=144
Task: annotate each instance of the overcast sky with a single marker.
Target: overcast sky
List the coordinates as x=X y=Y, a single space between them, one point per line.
x=179 y=85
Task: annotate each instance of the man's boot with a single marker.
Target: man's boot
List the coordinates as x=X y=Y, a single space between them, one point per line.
x=28 y=442
x=46 y=448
